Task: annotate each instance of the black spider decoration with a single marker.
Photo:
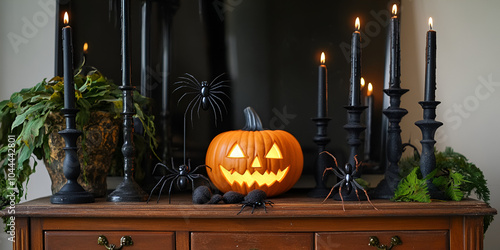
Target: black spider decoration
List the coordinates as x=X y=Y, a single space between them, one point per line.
x=255 y=198
x=182 y=176
x=347 y=180
x=206 y=94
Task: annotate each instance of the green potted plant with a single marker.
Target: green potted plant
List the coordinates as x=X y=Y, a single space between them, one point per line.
x=30 y=120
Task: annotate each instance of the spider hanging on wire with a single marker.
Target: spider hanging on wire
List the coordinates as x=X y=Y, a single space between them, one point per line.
x=206 y=94
x=347 y=179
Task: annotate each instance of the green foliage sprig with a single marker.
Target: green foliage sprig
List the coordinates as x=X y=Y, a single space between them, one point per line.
x=454 y=175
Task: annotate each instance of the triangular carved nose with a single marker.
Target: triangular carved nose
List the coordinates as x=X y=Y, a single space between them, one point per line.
x=256 y=163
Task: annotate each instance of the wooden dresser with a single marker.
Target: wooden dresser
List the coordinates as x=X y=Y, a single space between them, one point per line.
x=295 y=222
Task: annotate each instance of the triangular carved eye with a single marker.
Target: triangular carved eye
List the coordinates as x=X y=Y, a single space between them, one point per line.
x=236 y=152
x=274 y=153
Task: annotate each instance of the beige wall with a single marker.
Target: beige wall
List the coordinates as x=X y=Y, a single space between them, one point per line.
x=26 y=62
x=468 y=81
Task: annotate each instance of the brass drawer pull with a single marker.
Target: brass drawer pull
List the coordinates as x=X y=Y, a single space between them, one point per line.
x=374 y=242
x=124 y=241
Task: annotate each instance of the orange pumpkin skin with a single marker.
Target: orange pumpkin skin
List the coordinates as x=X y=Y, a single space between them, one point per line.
x=255 y=145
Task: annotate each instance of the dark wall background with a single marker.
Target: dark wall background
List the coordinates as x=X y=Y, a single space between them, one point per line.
x=269 y=51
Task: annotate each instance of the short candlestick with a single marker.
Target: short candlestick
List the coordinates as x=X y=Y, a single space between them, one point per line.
x=321 y=139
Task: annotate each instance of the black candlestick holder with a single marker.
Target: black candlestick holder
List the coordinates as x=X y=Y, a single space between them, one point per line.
x=321 y=139
x=128 y=190
x=428 y=126
x=71 y=192
x=354 y=129
x=394 y=149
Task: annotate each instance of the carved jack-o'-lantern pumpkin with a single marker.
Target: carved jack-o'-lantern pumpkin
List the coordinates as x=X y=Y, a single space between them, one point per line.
x=253 y=158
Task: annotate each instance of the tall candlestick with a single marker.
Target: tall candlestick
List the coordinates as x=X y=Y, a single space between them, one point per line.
x=355 y=66
x=395 y=50
x=322 y=88
x=430 y=68
x=69 y=88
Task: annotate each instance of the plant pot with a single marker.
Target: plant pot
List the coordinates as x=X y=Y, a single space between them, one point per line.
x=102 y=133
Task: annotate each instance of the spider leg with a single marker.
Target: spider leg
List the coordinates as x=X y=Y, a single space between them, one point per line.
x=242 y=207
x=194 y=78
x=264 y=205
x=210 y=84
x=170 y=189
x=331 y=190
x=216 y=100
x=330 y=154
x=368 y=198
x=342 y=198
x=366 y=193
x=169 y=178
x=186 y=94
x=152 y=190
x=194 y=170
x=253 y=208
x=213 y=104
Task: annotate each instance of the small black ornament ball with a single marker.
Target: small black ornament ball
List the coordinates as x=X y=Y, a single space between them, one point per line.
x=216 y=198
x=201 y=195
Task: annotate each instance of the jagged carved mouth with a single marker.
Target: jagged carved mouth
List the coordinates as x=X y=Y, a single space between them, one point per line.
x=247 y=178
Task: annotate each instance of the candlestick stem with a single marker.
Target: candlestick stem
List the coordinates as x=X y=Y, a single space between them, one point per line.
x=428 y=126
x=321 y=139
x=385 y=189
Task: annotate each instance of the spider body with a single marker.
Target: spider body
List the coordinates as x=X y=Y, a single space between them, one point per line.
x=255 y=198
x=347 y=178
x=182 y=176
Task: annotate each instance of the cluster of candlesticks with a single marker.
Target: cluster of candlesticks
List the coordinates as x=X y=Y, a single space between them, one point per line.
x=394 y=112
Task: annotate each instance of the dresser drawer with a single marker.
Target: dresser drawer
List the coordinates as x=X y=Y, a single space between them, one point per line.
x=435 y=240
x=261 y=241
x=87 y=240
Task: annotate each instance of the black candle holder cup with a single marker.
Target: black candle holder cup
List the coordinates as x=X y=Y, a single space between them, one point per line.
x=428 y=126
x=71 y=192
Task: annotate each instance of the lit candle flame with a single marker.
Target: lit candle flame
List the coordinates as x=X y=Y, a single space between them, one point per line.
x=322 y=60
x=66 y=18
x=370 y=89
x=356 y=24
x=394 y=9
x=85 y=47
x=430 y=23
x=362 y=82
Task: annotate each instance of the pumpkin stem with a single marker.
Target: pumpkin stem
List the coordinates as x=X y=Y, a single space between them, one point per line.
x=253 y=122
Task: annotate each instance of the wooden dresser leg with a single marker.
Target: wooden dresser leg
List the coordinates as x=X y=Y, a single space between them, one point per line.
x=22 y=234
x=466 y=233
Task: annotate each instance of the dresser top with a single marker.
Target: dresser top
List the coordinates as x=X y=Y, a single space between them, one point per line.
x=292 y=204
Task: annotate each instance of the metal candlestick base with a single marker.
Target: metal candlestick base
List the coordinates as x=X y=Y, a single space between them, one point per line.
x=321 y=139
x=385 y=189
x=354 y=129
x=428 y=126
x=71 y=192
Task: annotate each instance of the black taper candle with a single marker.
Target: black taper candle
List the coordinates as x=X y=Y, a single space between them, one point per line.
x=355 y=66
x=322 y=88
x=69 y=87
x=430 y=67
x=395 y=65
